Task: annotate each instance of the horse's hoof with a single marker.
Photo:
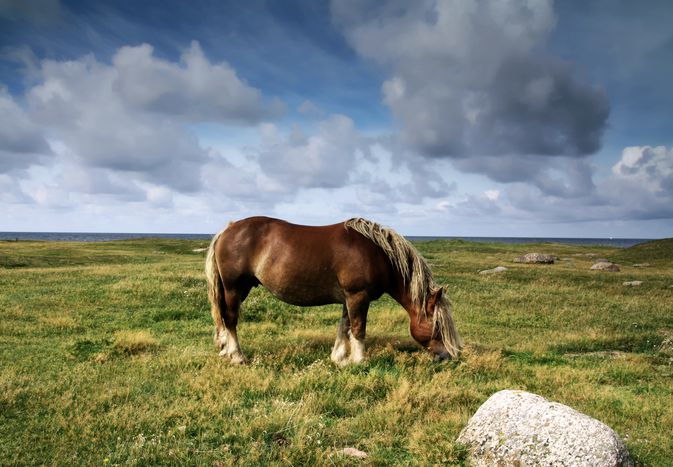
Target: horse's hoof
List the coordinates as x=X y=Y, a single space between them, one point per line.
x=238 y=359
x=340 y=362
x=338 y=355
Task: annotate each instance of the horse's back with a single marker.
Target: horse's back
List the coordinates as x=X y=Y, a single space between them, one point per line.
x=304 y=265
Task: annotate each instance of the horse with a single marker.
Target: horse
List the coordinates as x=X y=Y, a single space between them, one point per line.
x=351 y=263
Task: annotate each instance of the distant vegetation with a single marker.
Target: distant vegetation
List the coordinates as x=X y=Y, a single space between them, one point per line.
x=107 y=358
x=653 y=251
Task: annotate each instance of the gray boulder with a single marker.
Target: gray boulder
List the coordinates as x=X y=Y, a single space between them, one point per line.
x=538 y=258
x=632 y=283
x=494 y=270
x=605 y=266
x=520 y=428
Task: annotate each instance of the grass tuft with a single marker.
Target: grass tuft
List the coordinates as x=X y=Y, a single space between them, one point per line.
x=134 y=342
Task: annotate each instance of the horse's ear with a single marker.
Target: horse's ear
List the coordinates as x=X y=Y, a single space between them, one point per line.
x=435 y=297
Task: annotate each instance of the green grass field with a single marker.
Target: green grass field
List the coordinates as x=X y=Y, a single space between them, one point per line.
x=107 y=358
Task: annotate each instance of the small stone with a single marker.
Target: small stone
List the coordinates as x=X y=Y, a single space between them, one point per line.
x=666 y=346
x=641 y=265
x=632 y=283
x=494 y=270
x=536 y=258
x=602 y=260
x=520 y=428
x=605 y=266
x=353 y=452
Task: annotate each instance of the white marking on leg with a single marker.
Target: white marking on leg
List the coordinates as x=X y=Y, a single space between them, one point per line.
x=357 y=349
x=221 y=339
x=233 y=349
x=340 y=349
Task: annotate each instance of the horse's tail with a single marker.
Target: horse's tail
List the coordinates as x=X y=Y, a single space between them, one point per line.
x=215 y=287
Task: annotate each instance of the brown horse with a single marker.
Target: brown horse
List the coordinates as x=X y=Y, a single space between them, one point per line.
x=352 y=263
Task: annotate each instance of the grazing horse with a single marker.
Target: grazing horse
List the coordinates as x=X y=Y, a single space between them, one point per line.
x=352 y=263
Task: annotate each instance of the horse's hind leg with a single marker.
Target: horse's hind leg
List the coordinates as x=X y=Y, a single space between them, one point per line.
x=232 y=349
x=217 y=307
x=217 y=311
x=340 y=350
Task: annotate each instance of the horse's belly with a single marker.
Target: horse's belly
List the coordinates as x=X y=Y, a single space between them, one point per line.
x=303 y=294
x=305 y=289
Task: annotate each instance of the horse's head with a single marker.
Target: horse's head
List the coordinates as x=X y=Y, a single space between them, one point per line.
x=434 y=329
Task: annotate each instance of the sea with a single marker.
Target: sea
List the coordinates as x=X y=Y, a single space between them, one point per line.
x=105 y=237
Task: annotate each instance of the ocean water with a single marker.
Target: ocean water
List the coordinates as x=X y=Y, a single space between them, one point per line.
x=104 y=237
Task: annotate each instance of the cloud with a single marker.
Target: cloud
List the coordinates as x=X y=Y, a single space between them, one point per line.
x=11 y=192
x=194 y=89
x=327 y=161
x=130 y=116
x=243 y=184
x=473 y=78
x=324 y=159
x=308 y=107
x=639 y=187
x=22 y=142
x=642 y=183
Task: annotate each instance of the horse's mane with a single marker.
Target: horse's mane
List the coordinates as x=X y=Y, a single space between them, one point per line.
x=405 y=258
x=416 y=274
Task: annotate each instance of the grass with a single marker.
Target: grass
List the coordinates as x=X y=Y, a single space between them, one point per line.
x=107 y=358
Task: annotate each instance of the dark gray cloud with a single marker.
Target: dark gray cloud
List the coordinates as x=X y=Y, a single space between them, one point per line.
x=536 y=106
x=22 y=142
x=557 y=176
x=473 y=78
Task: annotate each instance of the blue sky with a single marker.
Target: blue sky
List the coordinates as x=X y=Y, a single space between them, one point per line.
x=481 y=118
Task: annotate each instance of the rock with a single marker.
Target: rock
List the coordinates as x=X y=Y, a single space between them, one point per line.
x=520 y=428
x=641 y=265
x=666 y=346
x=537 y=258
x=353 y=453
x=494 y=270
x=605 y=266
x=632 y=283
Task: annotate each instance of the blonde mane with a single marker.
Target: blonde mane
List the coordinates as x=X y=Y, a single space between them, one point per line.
x=416 y=275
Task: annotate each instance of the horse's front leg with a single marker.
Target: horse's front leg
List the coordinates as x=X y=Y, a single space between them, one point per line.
x=358 y=306
x=340 y=350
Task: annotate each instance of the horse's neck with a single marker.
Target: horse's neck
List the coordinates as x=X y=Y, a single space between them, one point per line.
x=402 y=296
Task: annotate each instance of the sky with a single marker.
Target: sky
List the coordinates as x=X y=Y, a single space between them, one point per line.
x=488 y=118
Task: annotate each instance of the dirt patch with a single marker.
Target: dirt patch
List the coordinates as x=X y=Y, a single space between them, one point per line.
x=599 y=353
